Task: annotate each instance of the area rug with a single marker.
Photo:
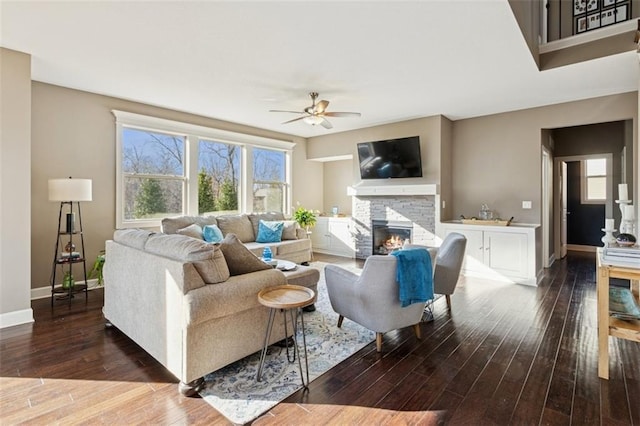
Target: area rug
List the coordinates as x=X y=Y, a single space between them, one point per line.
x=233 y=390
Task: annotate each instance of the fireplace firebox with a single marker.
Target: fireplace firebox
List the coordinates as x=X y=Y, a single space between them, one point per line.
x=390 y=235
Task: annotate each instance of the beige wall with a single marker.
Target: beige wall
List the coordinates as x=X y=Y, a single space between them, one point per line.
x=497 y=160
x=336 y=176
x=429 y=129
x=74 y=135
x=15 y=187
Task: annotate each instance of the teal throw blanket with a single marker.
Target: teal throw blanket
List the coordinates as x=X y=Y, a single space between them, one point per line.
x=414 y=276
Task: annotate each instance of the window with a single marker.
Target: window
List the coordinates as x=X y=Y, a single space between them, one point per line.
x=153 y=173
x=218 y=177
x=269 y=181
x=168 y=168
x=594 y=181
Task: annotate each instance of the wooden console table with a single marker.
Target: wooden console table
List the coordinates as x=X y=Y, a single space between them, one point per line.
x=607 y=325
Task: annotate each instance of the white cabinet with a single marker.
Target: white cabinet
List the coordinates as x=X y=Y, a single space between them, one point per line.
x=333 y=235
x=499 y=252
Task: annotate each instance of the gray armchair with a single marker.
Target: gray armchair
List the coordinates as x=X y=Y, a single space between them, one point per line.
x=371 y=299
x=448 y=263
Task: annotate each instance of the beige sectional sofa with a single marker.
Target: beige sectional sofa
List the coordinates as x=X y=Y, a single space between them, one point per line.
x=192 y=305
x=295 y=246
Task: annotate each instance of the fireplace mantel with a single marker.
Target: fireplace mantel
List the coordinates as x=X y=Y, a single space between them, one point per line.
x=386 y=190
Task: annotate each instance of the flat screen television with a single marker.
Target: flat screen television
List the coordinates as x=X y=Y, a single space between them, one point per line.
x=392 y=158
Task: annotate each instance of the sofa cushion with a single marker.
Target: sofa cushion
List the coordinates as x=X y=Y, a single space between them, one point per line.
x=289 y=230
x=240 y=259
x=255 y=219
x=170 y=225
x=208 y=260
x=135 y=238
x=193 y=231
x=239 y=225
x=292 y=246
x=269 y=231
x=212 y=234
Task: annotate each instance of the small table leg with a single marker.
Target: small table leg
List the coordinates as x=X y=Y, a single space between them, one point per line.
x=602 y=290
x=267 y=336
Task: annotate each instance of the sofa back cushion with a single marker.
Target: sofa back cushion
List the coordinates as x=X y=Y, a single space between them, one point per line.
x=135 y=238
x=171 y=225
x=208 y=259
x=240 y=260
x=239 y=225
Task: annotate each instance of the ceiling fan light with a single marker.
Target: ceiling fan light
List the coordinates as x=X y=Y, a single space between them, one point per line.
x=313 y=120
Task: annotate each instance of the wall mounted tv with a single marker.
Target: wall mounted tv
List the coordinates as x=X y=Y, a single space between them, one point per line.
x=392 y=158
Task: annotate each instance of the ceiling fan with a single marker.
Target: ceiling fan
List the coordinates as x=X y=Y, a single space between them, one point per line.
x=317 y=113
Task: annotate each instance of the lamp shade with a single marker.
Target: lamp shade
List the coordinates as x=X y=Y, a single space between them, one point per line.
x=70 y=189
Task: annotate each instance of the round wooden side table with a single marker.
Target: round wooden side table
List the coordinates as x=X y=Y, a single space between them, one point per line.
x=291 y=299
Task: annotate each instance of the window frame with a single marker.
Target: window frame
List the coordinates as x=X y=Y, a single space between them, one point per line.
x=193 y=134
x=584 y=180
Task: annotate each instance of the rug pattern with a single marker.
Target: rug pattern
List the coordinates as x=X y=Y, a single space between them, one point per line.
x=234 y=391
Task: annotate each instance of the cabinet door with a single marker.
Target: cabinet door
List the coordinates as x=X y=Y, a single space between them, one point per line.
x=506 y=252
x=341 y=239
x=474 y=252
x=320 y=234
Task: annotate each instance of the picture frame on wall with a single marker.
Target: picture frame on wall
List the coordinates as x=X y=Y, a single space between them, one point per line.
x=621 y=13
x=608 y=17
x=582 y=25
x=593 y=21
x=592 y=5
x=606 y=3
x=579 y=6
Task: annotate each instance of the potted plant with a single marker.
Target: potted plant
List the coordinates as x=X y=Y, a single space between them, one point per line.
x=304 y=217
x=96 y=271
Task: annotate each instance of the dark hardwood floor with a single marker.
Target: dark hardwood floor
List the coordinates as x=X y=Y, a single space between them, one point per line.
x=506 y=354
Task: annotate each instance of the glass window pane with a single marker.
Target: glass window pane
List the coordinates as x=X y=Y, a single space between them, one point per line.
x=268 y=180
x=268 y=165
x=152 y=152
x=596 y=188
x=218 y=177
x=597 y=167
x=146 y=198
x=268 y=197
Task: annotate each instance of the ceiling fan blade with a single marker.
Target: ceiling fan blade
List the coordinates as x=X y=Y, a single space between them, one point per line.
x=282 y=110
x=295 y=119
x=325 y=123
x=321 y=106
x=342 y=114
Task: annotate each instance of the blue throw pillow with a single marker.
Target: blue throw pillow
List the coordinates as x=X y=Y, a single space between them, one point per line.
x=269 y=231
x=212 y=234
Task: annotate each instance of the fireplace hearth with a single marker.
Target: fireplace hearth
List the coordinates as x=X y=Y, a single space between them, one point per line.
x=390 y=235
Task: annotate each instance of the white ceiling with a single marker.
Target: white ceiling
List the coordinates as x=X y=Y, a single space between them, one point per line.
x=236 y=60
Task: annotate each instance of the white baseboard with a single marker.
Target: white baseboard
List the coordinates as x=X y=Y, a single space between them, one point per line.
x=10 y=319
x=576 y=247
x=42 y=292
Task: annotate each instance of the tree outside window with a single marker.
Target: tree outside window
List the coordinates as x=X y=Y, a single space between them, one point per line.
x=218 y=178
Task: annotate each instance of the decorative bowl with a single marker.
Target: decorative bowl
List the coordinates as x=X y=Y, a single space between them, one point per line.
x=626 y=240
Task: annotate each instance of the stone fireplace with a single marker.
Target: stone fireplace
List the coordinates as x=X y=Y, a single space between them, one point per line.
x=416 y=213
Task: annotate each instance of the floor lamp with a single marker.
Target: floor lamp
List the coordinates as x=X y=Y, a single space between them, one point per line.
x=69 y=192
